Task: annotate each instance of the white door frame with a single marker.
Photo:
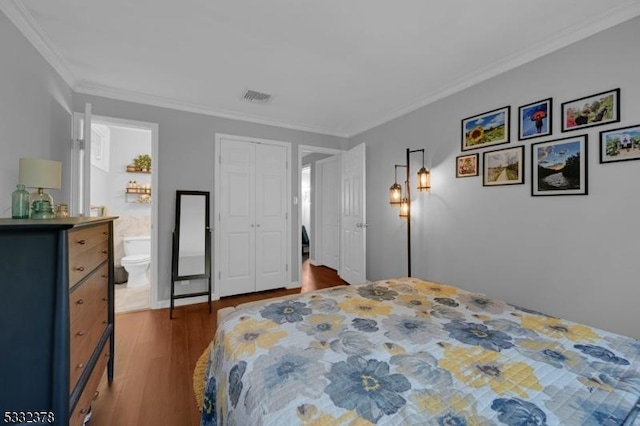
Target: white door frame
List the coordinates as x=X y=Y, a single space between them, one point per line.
x=216 y=205
x=307 y=149
x=153 y=127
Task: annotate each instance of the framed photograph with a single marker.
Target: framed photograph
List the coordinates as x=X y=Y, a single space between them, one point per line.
x=559 y=167
x=534 y=120
x=621 y=144
x=489 y=128
x=503 y=167
x=594 y=110
x=467 y=165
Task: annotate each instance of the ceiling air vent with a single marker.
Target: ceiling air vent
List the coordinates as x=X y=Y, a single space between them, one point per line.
x=256 y=97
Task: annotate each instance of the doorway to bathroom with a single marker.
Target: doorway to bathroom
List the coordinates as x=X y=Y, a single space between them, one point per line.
x=119 y=181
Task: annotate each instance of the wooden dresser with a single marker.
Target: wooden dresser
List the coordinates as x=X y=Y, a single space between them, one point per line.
x=56 y=316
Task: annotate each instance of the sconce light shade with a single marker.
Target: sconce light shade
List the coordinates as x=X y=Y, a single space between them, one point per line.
x=424 y=180
x=395 y=194
x=404 y=208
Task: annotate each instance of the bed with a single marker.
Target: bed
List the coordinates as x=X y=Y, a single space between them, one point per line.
x=407 y=351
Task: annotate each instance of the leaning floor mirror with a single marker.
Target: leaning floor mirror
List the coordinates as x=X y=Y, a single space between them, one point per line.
x=191 y=255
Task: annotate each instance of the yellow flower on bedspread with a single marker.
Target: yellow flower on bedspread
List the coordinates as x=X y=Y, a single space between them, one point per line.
x=478 y=367
x=364 y=307
x=435 y=289
x=557 y=328
x=248 y=335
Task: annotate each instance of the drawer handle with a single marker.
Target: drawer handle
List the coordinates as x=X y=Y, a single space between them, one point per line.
x=80 y=301
x=80 y=333
x=84 y=411
x=82 y=242
x=104 y=322
x=104 y=252
x=105 y=233
x=104 y=299
x=96 y=395
x=80 y=268
x=80 y=366
x=105 y=276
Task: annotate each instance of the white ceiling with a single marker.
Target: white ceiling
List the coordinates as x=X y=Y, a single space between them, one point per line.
x=334 y=66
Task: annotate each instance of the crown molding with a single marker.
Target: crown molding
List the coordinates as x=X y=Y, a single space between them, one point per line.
x=569 y=36
x=22 y=19
x=146 y=99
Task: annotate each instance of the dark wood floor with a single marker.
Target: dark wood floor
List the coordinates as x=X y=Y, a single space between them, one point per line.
x=155 y=358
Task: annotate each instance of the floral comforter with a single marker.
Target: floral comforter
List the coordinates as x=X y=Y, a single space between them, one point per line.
x=407 y=351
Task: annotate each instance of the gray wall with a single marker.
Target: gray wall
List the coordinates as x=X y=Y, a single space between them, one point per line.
x=35 y=112
x=572 y=256
x=186 y=161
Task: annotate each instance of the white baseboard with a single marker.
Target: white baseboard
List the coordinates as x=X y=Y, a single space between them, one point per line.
x=295 y=284
x=162 y=304
x=314 y=262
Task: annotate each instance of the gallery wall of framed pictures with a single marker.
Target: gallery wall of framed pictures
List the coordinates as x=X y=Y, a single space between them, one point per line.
x=558 y=166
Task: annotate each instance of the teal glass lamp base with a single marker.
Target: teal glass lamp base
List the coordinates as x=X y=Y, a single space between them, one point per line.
x=42 y=206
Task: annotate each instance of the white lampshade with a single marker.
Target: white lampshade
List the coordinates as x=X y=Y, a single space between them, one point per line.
x=37 y=173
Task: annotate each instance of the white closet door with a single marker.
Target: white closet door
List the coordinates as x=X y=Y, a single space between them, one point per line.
x=237 y=217
x=271 y=216
x=353 y=241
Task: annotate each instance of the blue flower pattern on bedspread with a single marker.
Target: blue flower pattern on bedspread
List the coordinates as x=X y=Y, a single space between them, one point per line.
x=412 y=352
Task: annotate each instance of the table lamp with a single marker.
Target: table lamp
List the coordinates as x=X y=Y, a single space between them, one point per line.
x=41 y=174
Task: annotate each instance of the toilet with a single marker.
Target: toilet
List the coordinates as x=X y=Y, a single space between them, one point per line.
x=136 y=260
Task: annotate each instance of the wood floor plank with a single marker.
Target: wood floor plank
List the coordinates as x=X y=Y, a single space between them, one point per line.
x=155 y=358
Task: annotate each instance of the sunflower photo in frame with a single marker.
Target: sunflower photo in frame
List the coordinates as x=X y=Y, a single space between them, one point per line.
x=489 y=128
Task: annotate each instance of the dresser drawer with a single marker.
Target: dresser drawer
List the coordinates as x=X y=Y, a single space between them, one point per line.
x=85 y=335
x=81 y=299
x=89 y=394
x=88 y=247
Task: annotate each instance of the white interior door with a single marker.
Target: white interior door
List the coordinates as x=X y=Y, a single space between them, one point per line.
x=271 y=216
x=329 y=199
x=237 y=217
x=353 y=217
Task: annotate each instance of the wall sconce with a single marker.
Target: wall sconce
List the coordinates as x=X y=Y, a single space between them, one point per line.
x=41 y=174
x=396 y=199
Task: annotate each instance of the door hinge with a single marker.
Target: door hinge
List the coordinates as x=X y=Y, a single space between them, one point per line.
x=219 y=275
x=81 y=144
x=219 y=159
x=286 y=215
x=286 y=267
